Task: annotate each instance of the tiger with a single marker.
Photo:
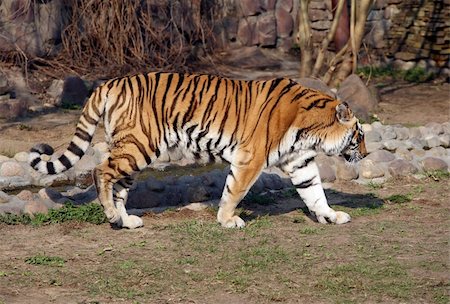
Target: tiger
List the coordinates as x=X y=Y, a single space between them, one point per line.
x=251 y=124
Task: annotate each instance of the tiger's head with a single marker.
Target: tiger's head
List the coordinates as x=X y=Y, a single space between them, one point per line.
x=353 y=147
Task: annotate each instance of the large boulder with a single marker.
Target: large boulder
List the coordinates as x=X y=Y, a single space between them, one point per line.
x=358 y=96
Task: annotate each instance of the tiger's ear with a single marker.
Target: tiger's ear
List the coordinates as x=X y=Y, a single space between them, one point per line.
x=343 y=113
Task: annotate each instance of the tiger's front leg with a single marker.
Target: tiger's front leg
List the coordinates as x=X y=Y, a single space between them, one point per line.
x=304 y=175
x=120 y=195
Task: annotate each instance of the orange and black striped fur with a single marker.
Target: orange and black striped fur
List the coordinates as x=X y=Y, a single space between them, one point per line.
x=250 y=124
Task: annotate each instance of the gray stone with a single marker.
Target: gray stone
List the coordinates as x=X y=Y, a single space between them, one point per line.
x=25 y=195
x=272 y=181
x=373 y=146
x=358 y=96
x=445 y=140
x=21 y=157
x=11 y=168
x=326 y=173
x=381 y=156
x=74 y=92
x=372 y=136
x=417 y=152
x=48 y=180
x=389 y=133
x=197 y=194
x=14 y=206
x=56 y=88
x=346 y=171
x=319 y=14
x=34 y=207
x=4 y=158
x=402 y=133
x=287 y=5
x=400 y=167
x=4 y=197
x=432 y=142
x=376 y=36
x=268 y=5
x=377 y=125
x=367 y=127
x=433 y=163
x=266 y=29
x=284 y=23
x=370 y=169
x=250 y=7
x=13 y=108
x=404 y=153
x=415 y=143
x=436 y=152
x=435 y=128
x=321 y=25
x=446 y=127
x=247 y=31
x=392 y=144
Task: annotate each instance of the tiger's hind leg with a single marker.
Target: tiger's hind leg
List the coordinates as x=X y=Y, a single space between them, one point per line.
x=238 y=183
x=305 y=177
x=120 y=195
x=117 y=167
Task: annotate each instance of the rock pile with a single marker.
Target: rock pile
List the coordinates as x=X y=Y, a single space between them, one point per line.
x=393 y=151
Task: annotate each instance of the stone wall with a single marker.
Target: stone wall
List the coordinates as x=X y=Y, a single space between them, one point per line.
x=403 y=32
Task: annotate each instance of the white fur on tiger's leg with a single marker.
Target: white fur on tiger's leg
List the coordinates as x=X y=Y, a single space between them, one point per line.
x=305 y=177
x=121 y=190
x=237 y=184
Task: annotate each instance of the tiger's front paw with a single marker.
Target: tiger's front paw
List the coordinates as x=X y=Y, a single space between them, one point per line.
x=132 y=222
x=335 y=217
x=113 y=215
x=233 y=222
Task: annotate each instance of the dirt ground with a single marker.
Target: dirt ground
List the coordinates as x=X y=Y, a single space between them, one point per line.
x=391 y=252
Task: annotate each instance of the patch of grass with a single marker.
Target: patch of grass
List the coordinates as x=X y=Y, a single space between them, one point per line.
x=415 y=74
x=310 y=230
x=374 y=186
x=399 y=198
x=369 y=209
x=45 y=260
x=24 y=127
x=380 y=279
x=437 y=175
x=91 y=213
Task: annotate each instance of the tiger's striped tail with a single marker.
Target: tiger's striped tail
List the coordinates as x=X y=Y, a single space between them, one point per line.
x=85 y=129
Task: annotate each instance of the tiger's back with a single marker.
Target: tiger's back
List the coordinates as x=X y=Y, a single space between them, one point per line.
x=251 y=124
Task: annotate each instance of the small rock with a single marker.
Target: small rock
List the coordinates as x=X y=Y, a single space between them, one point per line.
x=370 y=169
x=381 y=156
x=21 y=157
x=392 y=144
x=436 y=152
x=418 y=152
x=414 y=143
x=366 y=127
x=433 y=163
x=432 y=142
x=372 y=136
x=446 y=127
x=25 y=195
x=404 y=153
x=197 y=194
x=373 y=146
x=435 y=128
x=346 y=171
x=444 y=139
x=4 y=158
x=377 y=125
x=11 y=168
x=50 y=194
x=14 y=206
x=402 y=133
x=400 y=167
x=415 y=132
x=3 y=197
x=389 y=133
x=34 y=207
x=326 y=173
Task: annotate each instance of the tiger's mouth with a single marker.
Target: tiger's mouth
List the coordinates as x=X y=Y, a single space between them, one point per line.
x=352 y=156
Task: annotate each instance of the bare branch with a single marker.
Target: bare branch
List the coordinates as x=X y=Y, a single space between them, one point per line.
x=304 y=39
